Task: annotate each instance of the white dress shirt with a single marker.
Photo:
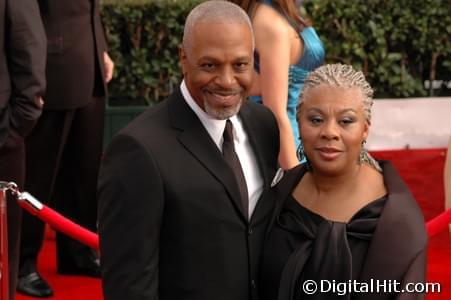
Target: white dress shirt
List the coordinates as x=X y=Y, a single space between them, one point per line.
x=243 y=149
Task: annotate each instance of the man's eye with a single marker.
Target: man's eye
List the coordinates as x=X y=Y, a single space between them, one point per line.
x=207 y=66
x=241 y=65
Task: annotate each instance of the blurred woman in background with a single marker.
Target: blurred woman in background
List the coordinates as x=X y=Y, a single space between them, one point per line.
x=287 y=49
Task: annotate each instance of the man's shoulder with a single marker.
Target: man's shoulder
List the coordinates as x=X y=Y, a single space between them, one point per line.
x=257 y=109
x=260 y=114
x=149 y=125
x=254 y=105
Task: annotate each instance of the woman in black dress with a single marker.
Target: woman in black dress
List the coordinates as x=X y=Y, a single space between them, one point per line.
x=346 y=225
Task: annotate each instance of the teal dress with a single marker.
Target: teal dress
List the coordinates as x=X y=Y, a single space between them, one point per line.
x=312 y=58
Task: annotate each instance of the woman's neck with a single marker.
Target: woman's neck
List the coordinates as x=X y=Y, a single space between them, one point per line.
x=338 y=198
x=326 y=184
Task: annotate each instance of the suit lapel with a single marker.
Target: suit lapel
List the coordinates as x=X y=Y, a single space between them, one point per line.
x=195 y=138
x=256 y=137
x=252 y=129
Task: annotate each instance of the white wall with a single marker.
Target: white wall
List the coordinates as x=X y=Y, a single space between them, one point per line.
x=410 y=123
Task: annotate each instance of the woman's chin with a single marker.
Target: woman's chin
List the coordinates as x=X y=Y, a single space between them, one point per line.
x=328 y=168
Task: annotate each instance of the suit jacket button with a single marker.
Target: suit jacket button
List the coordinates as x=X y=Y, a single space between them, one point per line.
x=253 y=284
x=250 y=230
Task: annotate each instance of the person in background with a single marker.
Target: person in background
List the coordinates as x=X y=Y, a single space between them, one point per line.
x=183 y=190
x=22 y=84
x=287 y=49
x=64 y=149
x=342 y=216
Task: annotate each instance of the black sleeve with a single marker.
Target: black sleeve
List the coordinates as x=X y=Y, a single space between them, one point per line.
x=26 y=51
x=101 y=35
x=416 y=273
x=131 y=199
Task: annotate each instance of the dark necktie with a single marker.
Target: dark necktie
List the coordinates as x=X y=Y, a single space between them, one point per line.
x=228 y=151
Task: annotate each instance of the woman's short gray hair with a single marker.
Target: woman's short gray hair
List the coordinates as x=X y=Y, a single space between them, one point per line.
x=214 y=11
x=342 y=76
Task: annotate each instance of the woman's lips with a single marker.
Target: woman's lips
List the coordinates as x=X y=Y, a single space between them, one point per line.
x=328 y=153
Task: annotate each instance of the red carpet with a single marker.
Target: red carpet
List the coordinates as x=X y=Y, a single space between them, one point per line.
x=64 y=287
x=422 y=170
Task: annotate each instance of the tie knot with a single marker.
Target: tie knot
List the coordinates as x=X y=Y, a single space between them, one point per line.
x=228 y=131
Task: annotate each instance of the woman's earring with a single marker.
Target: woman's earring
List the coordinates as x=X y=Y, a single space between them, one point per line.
x=300 y=152
x=302 y=157
x=363 y=156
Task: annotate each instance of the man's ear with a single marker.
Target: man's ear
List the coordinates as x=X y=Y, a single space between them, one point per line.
x=182 y=59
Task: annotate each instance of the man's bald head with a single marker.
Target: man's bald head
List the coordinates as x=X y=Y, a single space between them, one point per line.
x=215 y=11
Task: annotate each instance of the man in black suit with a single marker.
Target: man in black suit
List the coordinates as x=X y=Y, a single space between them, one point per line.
x=22 y=82
x=176 y=220
x=64 y=149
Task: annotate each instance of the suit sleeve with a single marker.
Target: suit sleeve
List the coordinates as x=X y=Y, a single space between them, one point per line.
x=416 y=273
x=100 y=32
x=131 y=202
x=26 y=48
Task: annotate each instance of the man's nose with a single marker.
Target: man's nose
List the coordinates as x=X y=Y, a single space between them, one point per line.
x=226 y=78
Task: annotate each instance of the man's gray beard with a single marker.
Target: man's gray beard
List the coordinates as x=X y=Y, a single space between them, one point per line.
x=223 y=113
